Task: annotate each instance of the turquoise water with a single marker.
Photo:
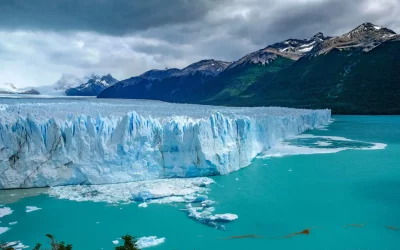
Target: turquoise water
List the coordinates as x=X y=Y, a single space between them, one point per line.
x=273 y=197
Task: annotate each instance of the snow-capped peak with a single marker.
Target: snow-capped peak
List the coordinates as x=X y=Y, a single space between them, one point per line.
x=208 y=67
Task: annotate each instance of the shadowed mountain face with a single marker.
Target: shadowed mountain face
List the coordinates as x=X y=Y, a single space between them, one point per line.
x=167 y=85
x=355 y=73
x=93 y=87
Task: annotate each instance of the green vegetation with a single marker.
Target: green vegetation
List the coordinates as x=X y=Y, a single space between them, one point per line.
x=129 y=244
x=347 y=81
x=231 y=85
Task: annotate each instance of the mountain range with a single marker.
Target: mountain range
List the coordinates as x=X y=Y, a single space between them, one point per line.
x=355 y=73
x=68 y=84
x=93 y=86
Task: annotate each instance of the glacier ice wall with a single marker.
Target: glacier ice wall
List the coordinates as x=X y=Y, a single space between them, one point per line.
x=48 y=144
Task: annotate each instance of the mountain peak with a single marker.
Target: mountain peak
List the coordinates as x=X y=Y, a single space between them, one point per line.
x=207 y=66
x=318 y=35
x=367 y=28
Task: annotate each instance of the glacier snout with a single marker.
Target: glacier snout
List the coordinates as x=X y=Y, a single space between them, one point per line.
x=39 y=150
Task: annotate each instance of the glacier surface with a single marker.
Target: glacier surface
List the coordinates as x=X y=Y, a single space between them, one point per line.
x=53 y=142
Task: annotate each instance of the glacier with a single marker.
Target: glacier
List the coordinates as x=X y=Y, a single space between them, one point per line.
x=55 y=142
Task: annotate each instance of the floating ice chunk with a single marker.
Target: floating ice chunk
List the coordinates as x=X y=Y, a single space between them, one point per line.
x=115 y=242
x=13 y=223
x=224 y=217
x=3 y=229
x=144 y=204
x=5 y=211
x=236 y=179
x=31 y=208
x=208 y=203
x=205 y=216
x=17 y=245
x=150 y=241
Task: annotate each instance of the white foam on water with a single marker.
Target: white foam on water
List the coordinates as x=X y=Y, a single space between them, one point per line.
x=5 y=211
x=13 y=223
x=150 y=241
x=322 y=146
x=3 y=229
x=31 y=209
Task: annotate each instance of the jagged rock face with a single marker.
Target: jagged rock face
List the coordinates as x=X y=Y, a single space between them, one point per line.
x=290 y=48
x=366 y=36
x=93 y=86
x=295 y=48
x=258 y=57
x=206 y=67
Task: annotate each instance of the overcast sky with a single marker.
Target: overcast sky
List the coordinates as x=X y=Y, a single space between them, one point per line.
x=41 y=39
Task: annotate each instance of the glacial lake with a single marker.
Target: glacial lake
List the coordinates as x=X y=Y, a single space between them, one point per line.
x=323 y=198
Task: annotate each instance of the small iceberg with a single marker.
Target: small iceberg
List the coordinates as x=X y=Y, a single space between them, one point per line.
x=3 y=229
x=149 y=241
x=5 y=211
x=31 y=208
x=205 y=216
x=144 y=204
x=16 y=245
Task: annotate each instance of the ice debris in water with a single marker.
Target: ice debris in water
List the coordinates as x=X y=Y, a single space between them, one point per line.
x=205 y=215
x=5 y=211
x=52 y=142
x=13 y=223
x=312 y=144
x=16 y=245
x=144 y=204
x=150 y=241
x=115 y=242
x=31 y=208
x=152 y=191
x=3 y=229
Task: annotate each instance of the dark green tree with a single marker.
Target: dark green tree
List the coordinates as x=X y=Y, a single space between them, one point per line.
x=129 y=243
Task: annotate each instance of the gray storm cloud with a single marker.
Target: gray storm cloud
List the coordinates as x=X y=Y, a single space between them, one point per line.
x=39 y=40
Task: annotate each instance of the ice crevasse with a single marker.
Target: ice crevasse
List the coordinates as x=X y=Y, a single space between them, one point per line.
x=41 y=147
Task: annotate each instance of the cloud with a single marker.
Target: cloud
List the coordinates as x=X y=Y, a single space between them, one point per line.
x=116 y=17
x=39 y=40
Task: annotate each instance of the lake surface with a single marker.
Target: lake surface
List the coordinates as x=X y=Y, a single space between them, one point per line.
x=346 y=200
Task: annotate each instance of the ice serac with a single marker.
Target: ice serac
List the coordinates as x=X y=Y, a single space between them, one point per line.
x=42 y=144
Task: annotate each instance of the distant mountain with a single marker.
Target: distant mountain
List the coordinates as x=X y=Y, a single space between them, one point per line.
x=9 y=88
x=168 y=85
x=94 y=86
x=58 y=88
